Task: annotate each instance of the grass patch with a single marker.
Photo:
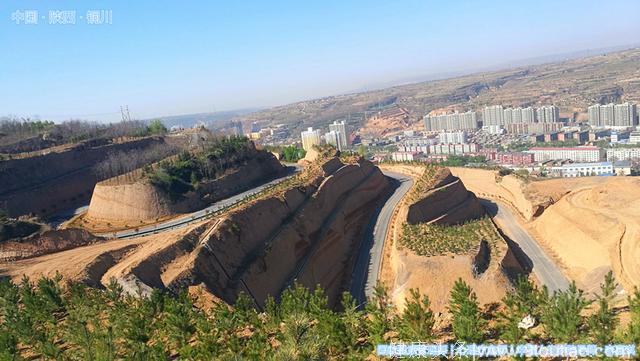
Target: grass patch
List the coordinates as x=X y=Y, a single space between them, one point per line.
x=434 y=239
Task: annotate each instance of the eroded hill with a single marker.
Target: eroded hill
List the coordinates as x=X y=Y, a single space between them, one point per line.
x=183 y=184
x=439 y=234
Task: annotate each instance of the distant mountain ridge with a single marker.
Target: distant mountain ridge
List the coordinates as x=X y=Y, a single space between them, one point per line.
x=570 y=84
x=189 y=120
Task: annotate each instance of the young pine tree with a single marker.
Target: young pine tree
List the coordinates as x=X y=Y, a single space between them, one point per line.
x=416 y=321
x=378 y=310
x=562 y=315
x=633 y=330
x=604 y=322
x=518 y=305
x=467 y=321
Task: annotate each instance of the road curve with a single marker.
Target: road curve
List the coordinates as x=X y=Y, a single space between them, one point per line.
x=368 y=263
x=544 y=269
x=198 y=215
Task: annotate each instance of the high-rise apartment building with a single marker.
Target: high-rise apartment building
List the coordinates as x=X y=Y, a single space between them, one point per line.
x=625 y=114
x=548 y=114
x=622 y=115
x=453 y=137
x=333 y=137
x=497 y=115
x=310 y=137
x=455 y=121
x=341 y=128
x=493 y=115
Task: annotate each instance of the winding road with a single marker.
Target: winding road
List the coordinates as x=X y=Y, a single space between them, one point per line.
x=543 y=267
x=368 y=263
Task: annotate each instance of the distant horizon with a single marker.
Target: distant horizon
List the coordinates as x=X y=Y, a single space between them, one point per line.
x=396 y=83
x=184 y=59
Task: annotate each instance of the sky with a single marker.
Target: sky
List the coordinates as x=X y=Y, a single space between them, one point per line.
x=180 y=57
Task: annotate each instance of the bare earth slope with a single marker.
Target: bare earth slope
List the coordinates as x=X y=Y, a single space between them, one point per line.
x=309 y=230
x=435 y=275
x=589 y=225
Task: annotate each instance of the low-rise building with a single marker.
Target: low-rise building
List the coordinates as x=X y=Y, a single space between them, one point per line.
x=457 y=137
x=587 y=169
x=457 y=149
x=618 y=154
x=515 y=158
x=584 y=154
x=407 y=156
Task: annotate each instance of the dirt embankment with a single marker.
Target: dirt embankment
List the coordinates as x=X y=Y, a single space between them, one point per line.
x=588 y=225
x=56 y=181
x=308 y=231
x=508 y=189
x=48 y=242
x=130 y=204
x=309 y=234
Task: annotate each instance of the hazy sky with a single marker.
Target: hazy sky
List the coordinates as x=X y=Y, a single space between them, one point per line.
x=177 y=57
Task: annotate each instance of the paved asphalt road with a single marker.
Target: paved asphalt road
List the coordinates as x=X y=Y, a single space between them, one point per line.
x=367 y=267
x=544 y=269
x=184 y=220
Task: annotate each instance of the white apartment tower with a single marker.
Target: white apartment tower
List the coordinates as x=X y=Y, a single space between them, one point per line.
x=310 y=138
x=333 y=137
x=625 y=114
x=455 y=121
x=341 y=128
x=622 y=115
x=548 y=114
x=493 y=115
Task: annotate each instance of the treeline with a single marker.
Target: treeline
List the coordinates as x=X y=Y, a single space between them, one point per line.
x=122 y=162
x=181 y=175
x=288 y=153
x=49 y=320
x=22 y=130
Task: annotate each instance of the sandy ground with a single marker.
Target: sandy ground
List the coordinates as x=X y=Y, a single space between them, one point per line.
x=71 y=264
x=435 y=276
x=591 y=225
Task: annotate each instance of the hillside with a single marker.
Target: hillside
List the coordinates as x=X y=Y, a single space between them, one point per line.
x=571 y=84
x=439 y=235
x=182 y=184
x=589 y=225
x=308 y=228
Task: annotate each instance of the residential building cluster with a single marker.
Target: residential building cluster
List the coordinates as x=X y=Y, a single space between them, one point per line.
x=336 y=136
x=618 y=154
x=584 y=154
x=455 y=121
x=613 y=115
x=498 y=115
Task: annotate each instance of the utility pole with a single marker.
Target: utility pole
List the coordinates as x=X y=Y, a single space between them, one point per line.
x=124 y=113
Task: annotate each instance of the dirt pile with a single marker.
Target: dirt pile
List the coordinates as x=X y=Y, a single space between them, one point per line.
x=137 y=202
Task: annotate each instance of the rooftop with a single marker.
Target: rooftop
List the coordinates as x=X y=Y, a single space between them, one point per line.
x=565 y=148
